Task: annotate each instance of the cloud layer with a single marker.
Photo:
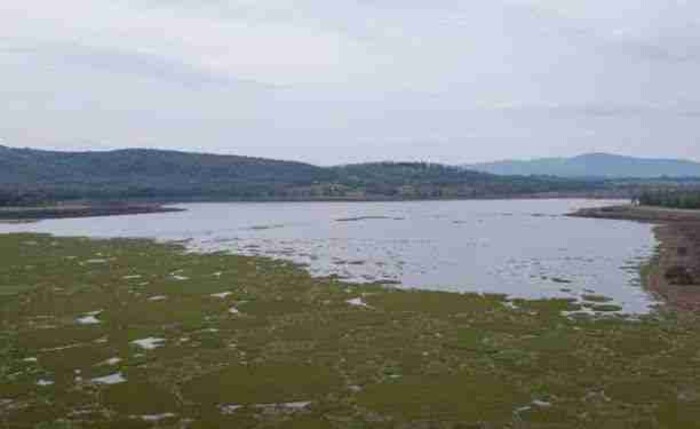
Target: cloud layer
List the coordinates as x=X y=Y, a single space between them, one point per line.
x=333 y=82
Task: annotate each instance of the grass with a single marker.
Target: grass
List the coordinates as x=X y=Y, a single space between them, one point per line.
x=298 y=355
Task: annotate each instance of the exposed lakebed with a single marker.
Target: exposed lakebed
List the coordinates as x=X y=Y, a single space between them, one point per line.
x=522 y=248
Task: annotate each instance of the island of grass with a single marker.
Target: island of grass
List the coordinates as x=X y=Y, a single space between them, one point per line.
x=124 y=333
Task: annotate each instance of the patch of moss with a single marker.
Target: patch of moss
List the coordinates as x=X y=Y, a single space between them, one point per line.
x=596 y=298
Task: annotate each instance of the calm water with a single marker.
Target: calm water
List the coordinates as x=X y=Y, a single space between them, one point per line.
x=523 y=248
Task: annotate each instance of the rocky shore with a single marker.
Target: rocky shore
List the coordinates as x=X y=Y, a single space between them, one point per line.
x=673 y=274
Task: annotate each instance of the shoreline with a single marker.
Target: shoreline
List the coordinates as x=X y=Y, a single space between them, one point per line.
x=673 y=273
x=21 y=214
x=33 y=214
x=639 y=213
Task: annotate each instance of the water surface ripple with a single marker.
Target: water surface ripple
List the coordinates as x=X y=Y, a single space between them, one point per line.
x=523 y=248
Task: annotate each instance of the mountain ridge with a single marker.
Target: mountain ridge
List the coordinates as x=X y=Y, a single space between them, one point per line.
x=593 y=165
x=34 y=175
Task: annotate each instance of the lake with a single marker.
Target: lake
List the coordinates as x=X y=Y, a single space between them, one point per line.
x=522 y=248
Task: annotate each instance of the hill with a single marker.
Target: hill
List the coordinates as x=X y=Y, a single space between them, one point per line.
x=36 y=176
x=598 y=165
x=146 y=173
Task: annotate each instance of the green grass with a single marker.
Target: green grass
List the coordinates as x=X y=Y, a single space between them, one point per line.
x=410 y=359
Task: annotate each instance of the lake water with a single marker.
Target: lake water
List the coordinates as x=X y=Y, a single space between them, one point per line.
x=523 y=248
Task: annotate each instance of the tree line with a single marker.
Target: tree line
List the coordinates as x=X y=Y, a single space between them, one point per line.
x=673 y=198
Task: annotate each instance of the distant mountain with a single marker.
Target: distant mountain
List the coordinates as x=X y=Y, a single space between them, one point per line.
x=30 y=176
x=600 y=165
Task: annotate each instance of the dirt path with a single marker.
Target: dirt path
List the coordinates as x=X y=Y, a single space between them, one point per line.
x=674 y=273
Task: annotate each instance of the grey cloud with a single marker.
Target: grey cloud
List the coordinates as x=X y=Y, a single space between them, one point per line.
x=127 y=62
x=671 y=50
x=448 y=81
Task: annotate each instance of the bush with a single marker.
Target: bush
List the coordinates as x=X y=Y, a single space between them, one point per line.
x=679 y=275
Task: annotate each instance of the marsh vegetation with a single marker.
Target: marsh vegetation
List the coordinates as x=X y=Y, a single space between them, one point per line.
x=300 y=351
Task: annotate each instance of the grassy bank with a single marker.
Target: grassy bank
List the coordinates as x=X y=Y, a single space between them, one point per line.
x=640 y=213
x=136 y=334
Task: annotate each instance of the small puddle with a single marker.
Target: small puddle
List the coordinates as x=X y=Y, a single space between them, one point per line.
x=115 y=378
x=357 y=302
x=111 y=361
x=149 y=343
x=221 y=294
x=157 y=417
x=87 y=320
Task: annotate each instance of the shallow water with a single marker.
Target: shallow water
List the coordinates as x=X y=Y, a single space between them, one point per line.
x=149 y=343
x=115 y=378
x=523 y=248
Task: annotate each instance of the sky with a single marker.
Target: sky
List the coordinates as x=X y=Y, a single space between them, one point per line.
x=333 y=82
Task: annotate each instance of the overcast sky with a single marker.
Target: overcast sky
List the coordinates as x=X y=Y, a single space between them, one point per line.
x=342 y=81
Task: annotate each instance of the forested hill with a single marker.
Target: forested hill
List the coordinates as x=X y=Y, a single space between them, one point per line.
x=144 y=166
x=145 y=173
x=37 y=176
